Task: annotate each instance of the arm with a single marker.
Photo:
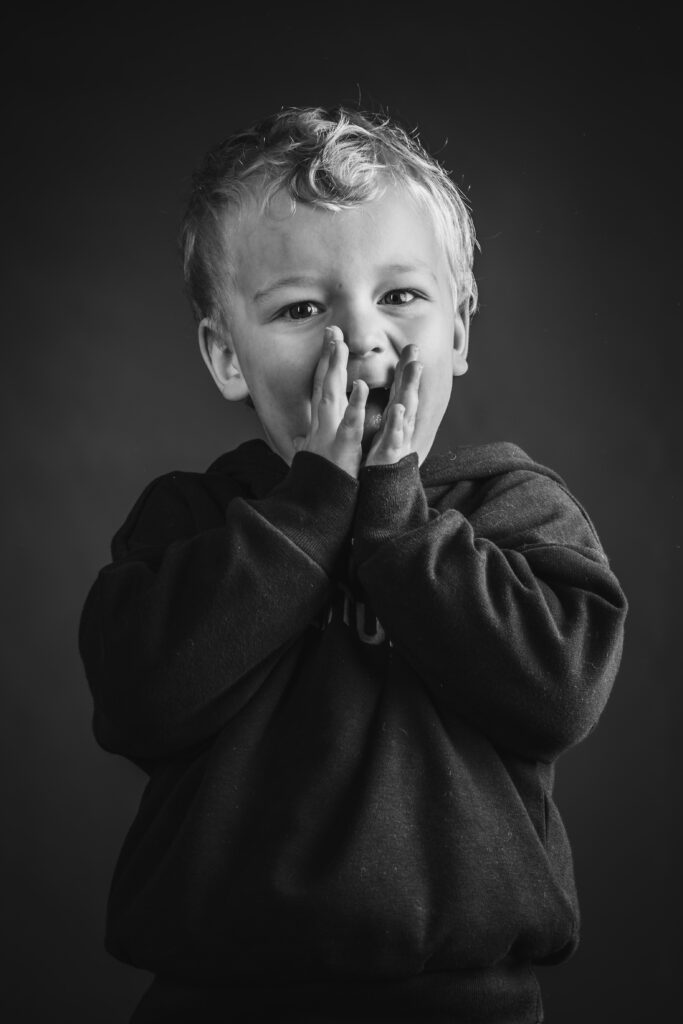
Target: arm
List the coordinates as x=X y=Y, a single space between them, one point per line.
x=176 y=636
x=512 y=617
x=187 y=622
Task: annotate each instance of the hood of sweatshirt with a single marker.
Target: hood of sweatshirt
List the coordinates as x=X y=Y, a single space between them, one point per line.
x=259 y=468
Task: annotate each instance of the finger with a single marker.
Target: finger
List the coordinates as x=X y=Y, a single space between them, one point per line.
x=407 y=364
x=408 y=355
x=318 y=378
x=411 y=392
x=333 y=399
x=388 y=445
x=396 y=382
x=353 y=420
x=333 y=346
x=393 y=431
x=337 y=372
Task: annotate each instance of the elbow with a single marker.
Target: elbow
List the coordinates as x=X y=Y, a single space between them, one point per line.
x=125 y=692
x=125 y=721
x=131 y=730
x=564 y=729
x=581 y=680
x=148 y=704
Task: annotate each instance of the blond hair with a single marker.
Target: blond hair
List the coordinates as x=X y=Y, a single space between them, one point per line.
x=333 y=159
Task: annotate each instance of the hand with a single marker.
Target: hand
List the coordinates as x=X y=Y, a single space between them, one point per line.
x=394 y=438
x=336 y=429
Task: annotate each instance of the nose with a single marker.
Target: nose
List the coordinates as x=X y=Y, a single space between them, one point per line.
x=363 y=332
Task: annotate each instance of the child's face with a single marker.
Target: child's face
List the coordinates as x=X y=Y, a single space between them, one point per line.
x=377 y=271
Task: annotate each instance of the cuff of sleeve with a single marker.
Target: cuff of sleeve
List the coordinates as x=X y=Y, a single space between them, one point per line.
x=313 y=507
x=391 y=501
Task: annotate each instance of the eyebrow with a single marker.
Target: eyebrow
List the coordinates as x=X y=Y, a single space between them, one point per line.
x=303 y=280
x=409 y=268
x=285 y=282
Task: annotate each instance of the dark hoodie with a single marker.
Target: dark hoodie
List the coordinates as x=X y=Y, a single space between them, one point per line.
x=348 y=696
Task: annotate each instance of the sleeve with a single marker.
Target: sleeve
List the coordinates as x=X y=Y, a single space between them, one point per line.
x=177 y=634
x=511 y=617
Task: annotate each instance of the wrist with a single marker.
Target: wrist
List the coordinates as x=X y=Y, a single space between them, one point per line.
x=314 y=507
x=391 y=501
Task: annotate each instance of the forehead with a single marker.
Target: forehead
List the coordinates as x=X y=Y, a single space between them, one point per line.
x=393 y=230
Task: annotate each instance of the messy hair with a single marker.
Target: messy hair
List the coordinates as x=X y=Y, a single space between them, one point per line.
x=332 y=159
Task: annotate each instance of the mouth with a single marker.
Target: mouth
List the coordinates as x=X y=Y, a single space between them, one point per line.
x=378 y=397
x=377 y=401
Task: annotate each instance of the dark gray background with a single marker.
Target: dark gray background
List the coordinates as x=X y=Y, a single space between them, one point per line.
x=563 y=132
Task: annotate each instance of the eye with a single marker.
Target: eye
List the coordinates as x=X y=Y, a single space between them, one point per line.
x=300 y=311
x=399 y=297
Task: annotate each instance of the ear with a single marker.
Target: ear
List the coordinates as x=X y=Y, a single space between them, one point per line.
x=218 y=352
x=461 y=337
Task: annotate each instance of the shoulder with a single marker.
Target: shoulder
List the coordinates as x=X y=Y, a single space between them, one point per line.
x=171 y=507
x=512 y=499
x=180 y=504
x=480 y=462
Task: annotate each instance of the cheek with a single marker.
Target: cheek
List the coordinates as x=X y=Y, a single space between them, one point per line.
x=286 y=390
x=292 y=381
x=438 y=371
x=435 y=389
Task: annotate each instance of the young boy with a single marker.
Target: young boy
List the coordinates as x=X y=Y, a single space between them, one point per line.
x=347 y=667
